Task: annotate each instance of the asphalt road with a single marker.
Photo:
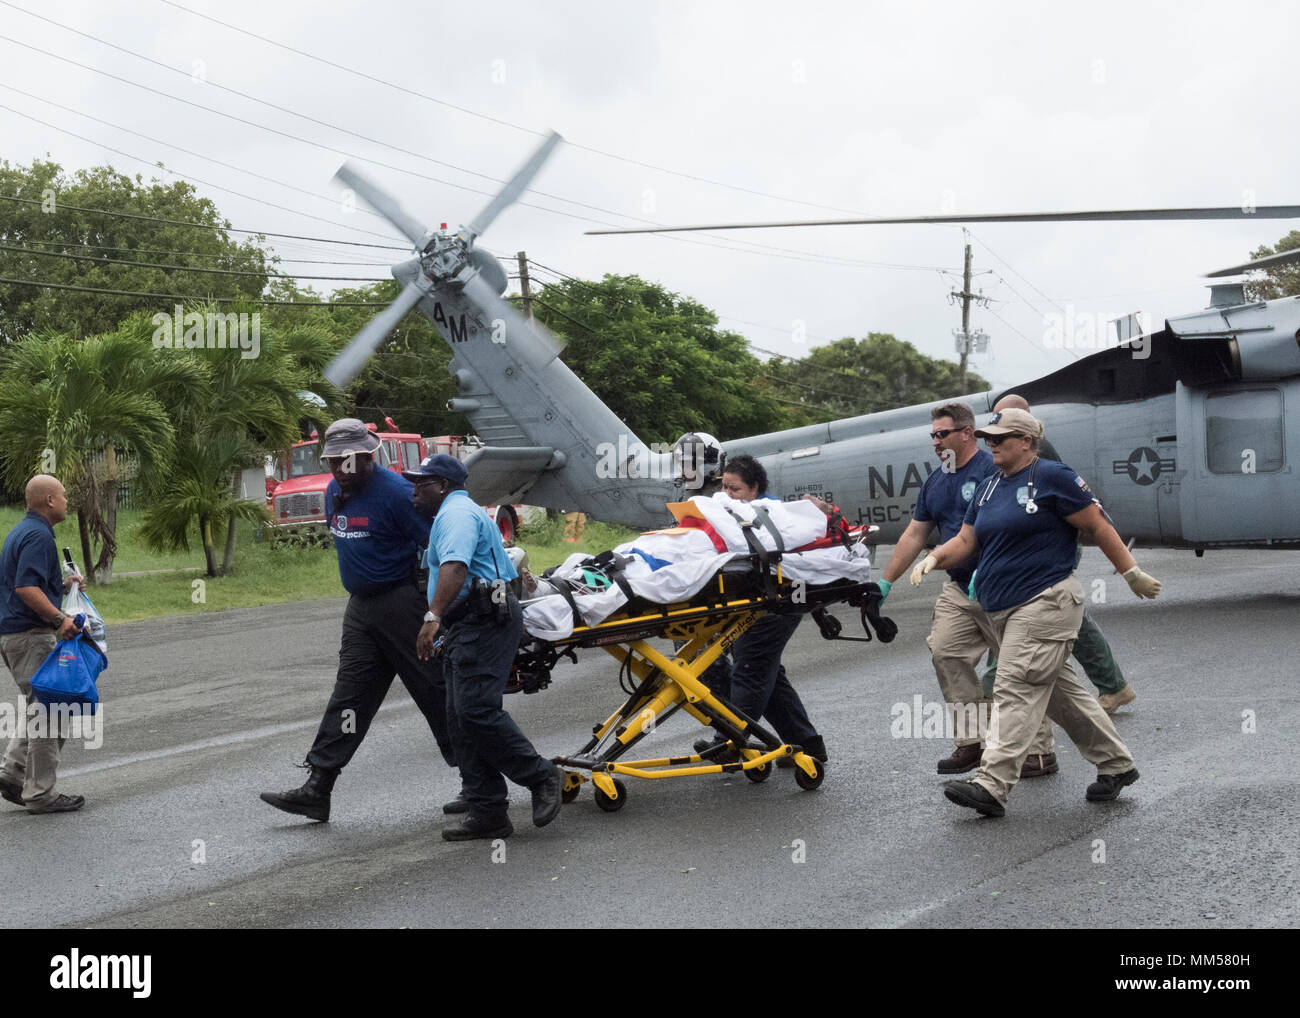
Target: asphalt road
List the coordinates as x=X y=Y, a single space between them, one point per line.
x=202 y=713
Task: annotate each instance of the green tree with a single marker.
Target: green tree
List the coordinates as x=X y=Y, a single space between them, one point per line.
x=244 y=409
x=1282 y=281
x=659 y=359
x=852 y=376
x=47 y=219
x=65 y=400
x=408 y=377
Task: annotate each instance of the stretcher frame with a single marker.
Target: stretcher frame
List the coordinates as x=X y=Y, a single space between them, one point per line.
x=666 y=684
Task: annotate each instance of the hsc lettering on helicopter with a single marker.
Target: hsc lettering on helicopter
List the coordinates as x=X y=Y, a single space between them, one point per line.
x=1182 y=431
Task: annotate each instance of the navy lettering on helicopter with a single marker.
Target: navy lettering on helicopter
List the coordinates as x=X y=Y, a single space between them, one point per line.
x=1144 y=466
x=883 y=487
x=879 y=514
x=456 y=329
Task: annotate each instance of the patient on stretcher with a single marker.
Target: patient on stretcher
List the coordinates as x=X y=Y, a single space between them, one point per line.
x=672 y=565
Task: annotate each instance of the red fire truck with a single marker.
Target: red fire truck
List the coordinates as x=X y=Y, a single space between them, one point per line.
x=295 y=492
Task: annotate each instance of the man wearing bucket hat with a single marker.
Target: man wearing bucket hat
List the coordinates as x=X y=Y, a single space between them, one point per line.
x=475 y=623
x=378 y=534
x=1024 y=523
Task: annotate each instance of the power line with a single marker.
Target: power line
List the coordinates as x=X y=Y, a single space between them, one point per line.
x=295 y=113
x=198 y=155
x=102 y=260
x=200 y=254
x=497 y=120
x=197 y=226
x=332 y=149
x=750 y=247
x=252 y=98
x=41 y=284
x=185 y=176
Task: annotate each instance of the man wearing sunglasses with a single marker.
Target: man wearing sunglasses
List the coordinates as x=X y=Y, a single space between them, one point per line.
x=960 y=633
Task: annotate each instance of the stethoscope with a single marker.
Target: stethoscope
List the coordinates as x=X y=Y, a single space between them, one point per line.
x=1031 y=506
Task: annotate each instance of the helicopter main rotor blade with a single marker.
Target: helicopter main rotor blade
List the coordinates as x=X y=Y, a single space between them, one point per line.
x=530 y=341
x=382 y=202
x=1136 y=215
x=1268 y=262
x=348 y=364
x=514 y=187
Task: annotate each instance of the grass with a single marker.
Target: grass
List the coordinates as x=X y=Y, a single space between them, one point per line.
x=264 y=574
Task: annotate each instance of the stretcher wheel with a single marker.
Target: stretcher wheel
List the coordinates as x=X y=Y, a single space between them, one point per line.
x=802 y=779
x=758 y=774
x=568 y=795
x=612 y=805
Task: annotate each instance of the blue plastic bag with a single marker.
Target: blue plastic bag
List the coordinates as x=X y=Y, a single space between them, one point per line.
x=68 y=673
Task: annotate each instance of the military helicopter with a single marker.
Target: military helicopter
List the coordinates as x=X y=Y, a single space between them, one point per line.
x=1183 y=431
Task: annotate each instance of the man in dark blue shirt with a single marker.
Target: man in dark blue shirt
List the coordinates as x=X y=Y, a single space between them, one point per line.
x=30 y=620
x=378 y=535
x=960 y=634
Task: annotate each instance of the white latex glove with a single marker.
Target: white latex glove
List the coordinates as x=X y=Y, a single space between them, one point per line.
x=1142 y=584
x=923 y=567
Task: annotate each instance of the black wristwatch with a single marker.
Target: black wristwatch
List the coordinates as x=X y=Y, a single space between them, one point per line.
x=57 y=623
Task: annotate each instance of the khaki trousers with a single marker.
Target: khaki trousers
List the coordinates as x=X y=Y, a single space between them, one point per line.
x=960 y=635
x=30 y=762
x=1034 y=681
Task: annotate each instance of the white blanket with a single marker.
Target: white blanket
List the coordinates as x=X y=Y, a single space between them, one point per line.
x=693 y=560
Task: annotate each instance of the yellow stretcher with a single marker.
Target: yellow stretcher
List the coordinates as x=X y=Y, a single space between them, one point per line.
x=659 y=684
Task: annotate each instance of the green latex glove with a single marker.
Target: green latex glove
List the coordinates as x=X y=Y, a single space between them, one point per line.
x=885 y=587
x=970 y=589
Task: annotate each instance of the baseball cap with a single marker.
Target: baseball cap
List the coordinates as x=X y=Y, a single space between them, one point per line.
x=439 y=465
x=1012 y=422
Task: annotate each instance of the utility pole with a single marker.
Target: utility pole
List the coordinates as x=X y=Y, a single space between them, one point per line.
x=965 y=340
x=528 y=296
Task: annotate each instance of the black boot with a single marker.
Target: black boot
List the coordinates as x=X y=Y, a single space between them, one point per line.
x=311 y=800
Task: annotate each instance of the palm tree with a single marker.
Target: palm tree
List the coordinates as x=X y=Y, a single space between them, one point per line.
x=247 y=407
x=63 y=400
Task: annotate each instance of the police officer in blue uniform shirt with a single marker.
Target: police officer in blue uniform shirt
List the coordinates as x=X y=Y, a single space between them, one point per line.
x=960 y=632
x=1024 y=523
x=378 y=535
x=475 y=623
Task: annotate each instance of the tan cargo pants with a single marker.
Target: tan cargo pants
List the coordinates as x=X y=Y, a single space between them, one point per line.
x=1035 y=680
x=960 y=636
x=30 y=762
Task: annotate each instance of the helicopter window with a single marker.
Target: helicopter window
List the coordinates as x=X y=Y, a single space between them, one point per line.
x=1243 y=431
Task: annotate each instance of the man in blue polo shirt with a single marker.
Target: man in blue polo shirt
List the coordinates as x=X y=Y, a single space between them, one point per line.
x=378 y=534
x=31 y=586
x=961 y=633
x=474 y=611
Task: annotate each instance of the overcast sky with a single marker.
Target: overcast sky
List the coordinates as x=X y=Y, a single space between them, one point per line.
x=682 y=113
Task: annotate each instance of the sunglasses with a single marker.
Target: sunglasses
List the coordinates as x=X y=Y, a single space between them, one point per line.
x=996 y=440
x=944 y=433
